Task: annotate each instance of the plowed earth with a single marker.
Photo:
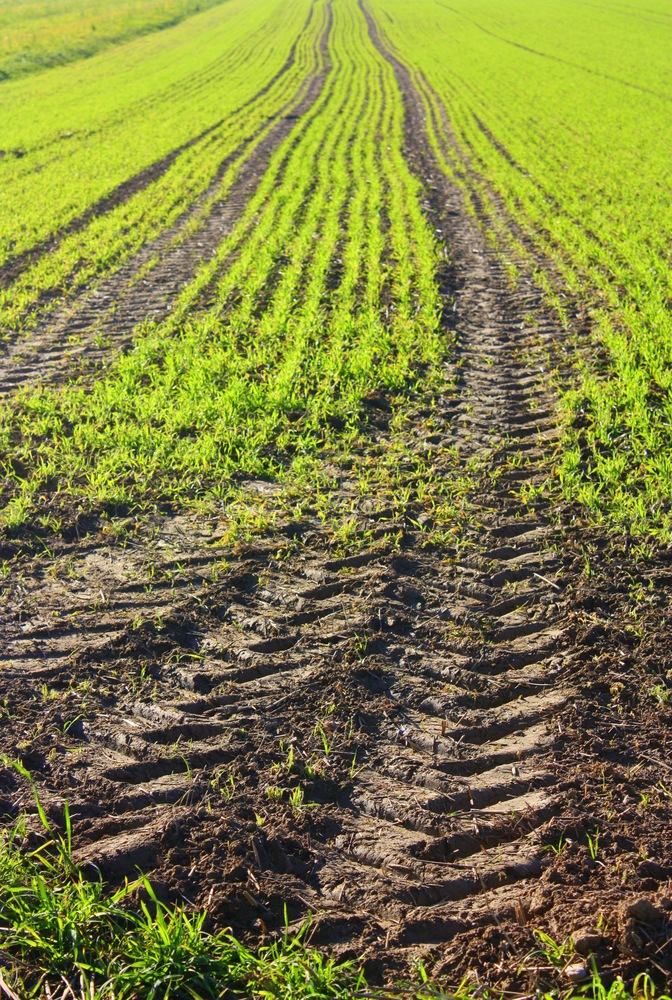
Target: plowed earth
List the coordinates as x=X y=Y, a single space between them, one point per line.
x=435 y=752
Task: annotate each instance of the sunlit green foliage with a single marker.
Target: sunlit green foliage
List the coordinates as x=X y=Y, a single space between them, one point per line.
x=556 y=119
x=71 y=136
x=323 y=292
x=59 y=928
x=38 y=34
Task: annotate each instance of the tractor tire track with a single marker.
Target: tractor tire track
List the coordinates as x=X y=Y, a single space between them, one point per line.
x=378 y=738
x=82 y=335
x=18 y=265
x=454 y=694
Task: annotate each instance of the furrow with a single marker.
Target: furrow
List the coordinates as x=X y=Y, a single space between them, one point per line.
x=83 y=333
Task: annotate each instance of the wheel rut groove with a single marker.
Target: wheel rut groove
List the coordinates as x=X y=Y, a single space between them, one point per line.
x=16 y=266
x=80 y=336
x=378 y=737
x=448 y=774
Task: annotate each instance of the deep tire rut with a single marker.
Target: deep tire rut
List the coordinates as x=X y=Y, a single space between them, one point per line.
x=413 y=733
x=449 y=668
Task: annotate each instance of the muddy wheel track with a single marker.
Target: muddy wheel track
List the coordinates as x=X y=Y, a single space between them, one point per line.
x=442 y=680
x=454 y=698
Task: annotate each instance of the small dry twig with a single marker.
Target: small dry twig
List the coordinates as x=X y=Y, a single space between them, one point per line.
x=7 y=989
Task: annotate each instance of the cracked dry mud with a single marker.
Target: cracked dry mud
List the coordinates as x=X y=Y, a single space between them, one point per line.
x=398 y=740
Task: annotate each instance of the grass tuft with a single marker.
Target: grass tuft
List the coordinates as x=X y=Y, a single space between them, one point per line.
x=62 y=935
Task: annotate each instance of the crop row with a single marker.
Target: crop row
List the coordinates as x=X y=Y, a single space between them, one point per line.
x=73 y=135
x=324 y=291
x=38 y=34
x=106 y=241
x=558 y=127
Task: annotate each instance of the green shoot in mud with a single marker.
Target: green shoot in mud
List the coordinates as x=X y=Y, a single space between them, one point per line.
x=63 y=934
x=561 y=956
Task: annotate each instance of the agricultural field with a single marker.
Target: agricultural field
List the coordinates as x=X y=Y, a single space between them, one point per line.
x=37 y=34
x=585 y=191
x=336 y=506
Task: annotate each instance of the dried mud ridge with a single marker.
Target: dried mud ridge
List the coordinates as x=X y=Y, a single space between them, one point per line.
x=84 y=332
x=459 y=745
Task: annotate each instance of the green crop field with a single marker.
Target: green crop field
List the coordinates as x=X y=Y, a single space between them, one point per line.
x=559 y=127
x=39 y=35
x=336 y=497
x=286 y=319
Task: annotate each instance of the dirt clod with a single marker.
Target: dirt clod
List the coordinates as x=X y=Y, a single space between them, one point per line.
x=586 y=941
x=645 y=911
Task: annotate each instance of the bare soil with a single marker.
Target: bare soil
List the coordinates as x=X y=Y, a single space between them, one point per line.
x=435 y=751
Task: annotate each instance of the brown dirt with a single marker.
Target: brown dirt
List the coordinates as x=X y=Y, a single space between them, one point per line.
x=488 y=708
